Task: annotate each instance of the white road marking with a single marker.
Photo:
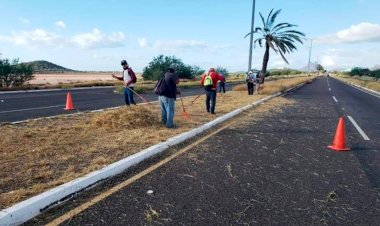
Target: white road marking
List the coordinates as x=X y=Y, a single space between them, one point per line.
x=335 y=99
x=29 y=109
x=365 y=137
x=329 y=89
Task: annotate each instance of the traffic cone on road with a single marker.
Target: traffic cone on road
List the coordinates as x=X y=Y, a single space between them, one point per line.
x=339 y=143
x=69 y=102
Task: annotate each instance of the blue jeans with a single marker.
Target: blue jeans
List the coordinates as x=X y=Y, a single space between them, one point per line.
x=128 y=96
x=211 y=96
x=167 y=110
x=222 y=87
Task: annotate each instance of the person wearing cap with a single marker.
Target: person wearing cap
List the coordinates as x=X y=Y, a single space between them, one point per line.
x=250 y=82
x=167 y=99
x=209 y=81
x=129 y=78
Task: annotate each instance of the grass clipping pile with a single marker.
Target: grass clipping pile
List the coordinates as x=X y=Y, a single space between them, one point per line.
x=43 y=154
x=136 y=117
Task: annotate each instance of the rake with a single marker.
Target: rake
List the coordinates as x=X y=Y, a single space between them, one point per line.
x=185 y=114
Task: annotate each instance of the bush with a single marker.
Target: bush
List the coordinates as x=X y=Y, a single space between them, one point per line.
x=14 y=74
x=160 y=64
x=286 y=71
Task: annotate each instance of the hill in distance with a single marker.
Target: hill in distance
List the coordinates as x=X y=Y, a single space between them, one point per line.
x=42 y=66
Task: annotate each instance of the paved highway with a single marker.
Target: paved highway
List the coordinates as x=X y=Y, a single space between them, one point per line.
x=272 y=171
x=27 y=105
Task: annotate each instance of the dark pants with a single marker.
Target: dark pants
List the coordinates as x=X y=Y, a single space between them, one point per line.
x=222 y=86
x=128 y=96
x=211 y=96
x=250 y=87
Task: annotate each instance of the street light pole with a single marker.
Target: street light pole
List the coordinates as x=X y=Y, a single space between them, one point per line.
x=311 y=46
x=251 y=38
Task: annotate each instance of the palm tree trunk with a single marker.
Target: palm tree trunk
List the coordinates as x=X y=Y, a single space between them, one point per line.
x=265 y=60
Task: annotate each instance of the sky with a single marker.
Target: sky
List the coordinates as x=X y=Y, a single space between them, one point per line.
x=96 y=35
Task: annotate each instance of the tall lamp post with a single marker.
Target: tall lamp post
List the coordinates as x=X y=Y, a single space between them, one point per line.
x=251 y=38
x=311 y=47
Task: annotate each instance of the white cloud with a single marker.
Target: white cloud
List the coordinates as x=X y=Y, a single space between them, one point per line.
x=179 y=44
x=33 y=38
x=42 y=38
x=97 y=39
x=363 y=32
x=143 y=42
x=346 y=59
x=60 y=24
x=23 y=20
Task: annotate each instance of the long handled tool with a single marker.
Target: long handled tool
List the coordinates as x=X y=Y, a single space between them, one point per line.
x=192 y=102
x=184 y=113
x=142 y=98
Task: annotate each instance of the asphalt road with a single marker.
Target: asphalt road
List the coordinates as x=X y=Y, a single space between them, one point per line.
x=29 y=105
x=272 y=171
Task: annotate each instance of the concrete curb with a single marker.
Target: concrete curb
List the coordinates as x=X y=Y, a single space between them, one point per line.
x=26 y=210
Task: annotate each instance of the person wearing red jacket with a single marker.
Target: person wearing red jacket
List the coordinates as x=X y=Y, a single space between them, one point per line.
x=209 y=81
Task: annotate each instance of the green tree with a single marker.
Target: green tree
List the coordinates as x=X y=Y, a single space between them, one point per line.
x=161 y=63
x=281 y=37
x=222 y=70
x=360 y=71
x=320 y=67
x=14 y=74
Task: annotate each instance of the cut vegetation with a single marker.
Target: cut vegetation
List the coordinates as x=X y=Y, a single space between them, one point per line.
x=43 y=154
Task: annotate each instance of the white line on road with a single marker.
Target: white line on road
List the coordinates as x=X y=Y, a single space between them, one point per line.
x=365 y=137
x=329 y=89
x=29 y=109
x=335 y=99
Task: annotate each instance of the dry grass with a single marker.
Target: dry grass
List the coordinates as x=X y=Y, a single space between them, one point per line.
x=275 y=86
x=39 y=155
x=373 y=85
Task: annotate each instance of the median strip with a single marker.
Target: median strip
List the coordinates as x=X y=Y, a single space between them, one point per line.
x=32 y=207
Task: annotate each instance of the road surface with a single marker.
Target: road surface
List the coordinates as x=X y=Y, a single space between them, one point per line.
x=29 y=105
x=274 y=171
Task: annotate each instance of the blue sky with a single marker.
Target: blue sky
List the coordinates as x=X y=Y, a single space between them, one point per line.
x=97 y=34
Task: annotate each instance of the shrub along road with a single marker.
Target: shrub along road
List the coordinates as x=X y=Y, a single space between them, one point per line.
x=268 y=170
x=28 y=105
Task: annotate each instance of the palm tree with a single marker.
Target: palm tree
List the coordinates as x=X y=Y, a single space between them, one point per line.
x=280 y=37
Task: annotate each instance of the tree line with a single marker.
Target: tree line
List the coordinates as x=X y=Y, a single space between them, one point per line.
x=359 y=71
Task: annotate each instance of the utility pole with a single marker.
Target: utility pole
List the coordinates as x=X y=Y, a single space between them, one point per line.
x=311 y=46
x=251 y=38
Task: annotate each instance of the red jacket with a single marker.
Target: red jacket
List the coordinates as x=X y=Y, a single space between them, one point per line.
x=215 y=78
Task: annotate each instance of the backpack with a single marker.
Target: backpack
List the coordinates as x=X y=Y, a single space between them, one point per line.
x=133 y=75
x=160 y=87
x=207 y=82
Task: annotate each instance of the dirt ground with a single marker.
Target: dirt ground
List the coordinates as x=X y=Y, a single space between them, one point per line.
x=54 y=79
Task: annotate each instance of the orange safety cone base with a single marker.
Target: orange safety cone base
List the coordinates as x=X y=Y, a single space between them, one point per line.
x=334 y=148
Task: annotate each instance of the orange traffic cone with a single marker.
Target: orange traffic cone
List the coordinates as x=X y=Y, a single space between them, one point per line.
x=339 y=143
x=69 y=102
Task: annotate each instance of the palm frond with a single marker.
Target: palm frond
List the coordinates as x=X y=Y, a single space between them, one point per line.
x=292 y=32
x=262 y=19
x=283 y=26
x=273 y=18
x=283 y=57
x=269 y=16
